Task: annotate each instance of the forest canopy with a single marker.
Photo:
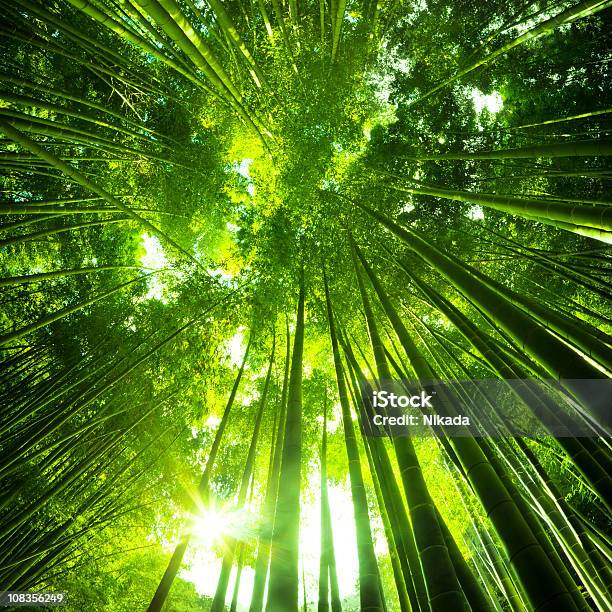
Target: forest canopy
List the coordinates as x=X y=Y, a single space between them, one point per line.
x=225 y=225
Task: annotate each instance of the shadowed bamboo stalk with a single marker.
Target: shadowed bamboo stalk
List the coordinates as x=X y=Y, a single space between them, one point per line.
x=399 y=522
x=443 y=588
x=541 y=581
x=576 y=449
x=553 y=354
x=64 y=312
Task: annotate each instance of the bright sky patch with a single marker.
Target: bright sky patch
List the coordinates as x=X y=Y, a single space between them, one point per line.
x=493 y=102
x=153 y=258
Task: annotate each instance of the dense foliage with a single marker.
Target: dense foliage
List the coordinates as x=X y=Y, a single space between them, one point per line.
x=225 y=224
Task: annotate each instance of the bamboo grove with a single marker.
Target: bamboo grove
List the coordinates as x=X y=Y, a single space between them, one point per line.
x=225 y=224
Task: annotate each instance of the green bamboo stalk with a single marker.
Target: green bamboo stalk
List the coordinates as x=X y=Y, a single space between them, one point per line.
x=92 y=11
x=597 y=217
x=327 y=544
x=369 y=583
x=225 y=21
x=22 y=100
x=267 y=521
x=588 y=148
x=337 y=27
x=399 y=521
x=443 y=586
x=283 y=585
